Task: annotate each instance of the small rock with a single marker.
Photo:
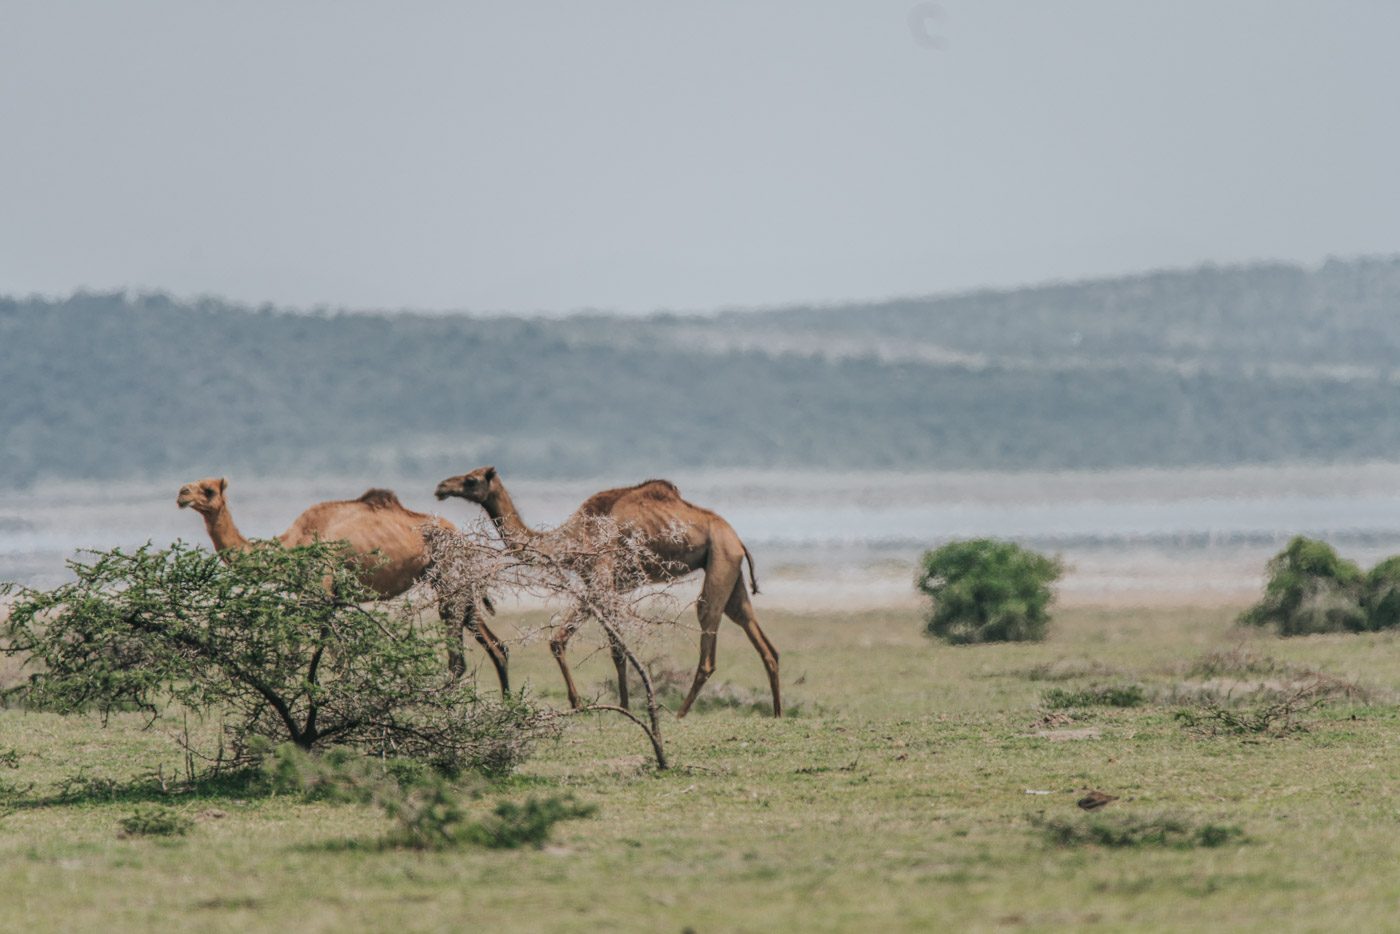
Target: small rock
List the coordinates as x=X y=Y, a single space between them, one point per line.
x=1095 y=800
x=1060 y=736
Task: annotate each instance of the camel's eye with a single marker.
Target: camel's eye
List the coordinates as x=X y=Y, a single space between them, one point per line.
x=209 y=491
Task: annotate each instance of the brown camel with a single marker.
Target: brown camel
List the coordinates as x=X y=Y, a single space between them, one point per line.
x=387 y=541
x=655 y=507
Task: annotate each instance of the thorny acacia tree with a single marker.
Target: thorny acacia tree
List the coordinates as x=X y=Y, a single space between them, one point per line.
x=282 y=644
x=591 y=567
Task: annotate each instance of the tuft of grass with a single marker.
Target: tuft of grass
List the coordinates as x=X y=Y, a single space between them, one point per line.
x=155 y=821
x=673 y=683
x=1068 y=669
x=1125 y=831
x=1121 y=695
x=1237 y=662
x=1277 y=678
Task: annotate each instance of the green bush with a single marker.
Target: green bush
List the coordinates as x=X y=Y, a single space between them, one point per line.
x=429 y=811
x=984 y=590
x=1381 y=595
x=1310 y=589
x=281 y=644
x=511 y=825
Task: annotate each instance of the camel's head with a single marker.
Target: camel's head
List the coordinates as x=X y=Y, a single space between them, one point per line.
x=206 y=496
x=476 y=486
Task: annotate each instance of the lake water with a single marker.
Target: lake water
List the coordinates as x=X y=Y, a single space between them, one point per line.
x=843 y=540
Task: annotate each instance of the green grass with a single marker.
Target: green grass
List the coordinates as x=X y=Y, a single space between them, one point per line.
x=897 y=801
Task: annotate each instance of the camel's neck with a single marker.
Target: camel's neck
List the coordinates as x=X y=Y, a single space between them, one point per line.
x=223 y=533
x=501 y=508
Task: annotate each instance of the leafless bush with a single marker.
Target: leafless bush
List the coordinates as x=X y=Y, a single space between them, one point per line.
x=1069 y=669
x=590 y=568
x=1279 y=717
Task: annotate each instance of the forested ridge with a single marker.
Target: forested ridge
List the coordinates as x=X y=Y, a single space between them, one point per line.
x=1210 y=366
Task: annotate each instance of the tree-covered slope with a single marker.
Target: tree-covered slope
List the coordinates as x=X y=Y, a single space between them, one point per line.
x=1206 y=367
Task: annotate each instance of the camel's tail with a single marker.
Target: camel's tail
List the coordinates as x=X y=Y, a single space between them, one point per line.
x=753 y=578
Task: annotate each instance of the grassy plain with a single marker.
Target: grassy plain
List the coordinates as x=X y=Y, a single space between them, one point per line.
x=896 y=798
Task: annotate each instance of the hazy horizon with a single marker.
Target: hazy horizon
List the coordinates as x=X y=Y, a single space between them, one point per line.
x=139 y=292
x=626 y=158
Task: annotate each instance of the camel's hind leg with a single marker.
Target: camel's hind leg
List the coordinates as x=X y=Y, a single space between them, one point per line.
x=720 y=578
x=454 y=622
x=495 y=648
x=466 y=621
x=741 y=611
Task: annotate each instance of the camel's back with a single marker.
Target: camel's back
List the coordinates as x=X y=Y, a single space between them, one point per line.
x=654 y=506
x=376 y=524
x=655 y=494
x=377 y=521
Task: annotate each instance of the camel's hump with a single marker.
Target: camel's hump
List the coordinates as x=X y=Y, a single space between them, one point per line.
x=380 y=498
x=658 y=489
x=602 y=503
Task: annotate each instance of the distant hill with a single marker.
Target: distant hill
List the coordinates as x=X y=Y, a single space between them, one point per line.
x=1211 y=366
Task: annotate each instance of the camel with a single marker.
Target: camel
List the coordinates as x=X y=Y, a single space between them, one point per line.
x=706 y=542
x=387 y=541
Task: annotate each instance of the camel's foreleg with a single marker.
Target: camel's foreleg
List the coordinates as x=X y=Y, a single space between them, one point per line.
x=710 y=609
x=558 y=643
x=619 y=658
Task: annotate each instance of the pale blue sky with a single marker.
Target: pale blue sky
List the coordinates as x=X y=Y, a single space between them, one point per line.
x=643 y=155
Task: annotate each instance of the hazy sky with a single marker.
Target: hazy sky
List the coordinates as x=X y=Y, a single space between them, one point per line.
x=642 y=155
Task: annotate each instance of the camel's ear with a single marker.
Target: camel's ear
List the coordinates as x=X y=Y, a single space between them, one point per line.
x=490 y=474
x=223 y=484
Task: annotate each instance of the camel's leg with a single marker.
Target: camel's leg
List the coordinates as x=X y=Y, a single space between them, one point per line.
x=456 y=652
x=495 y=648
x=466 y=621
x=720 y=577
x=455 y=624
x=619 y=662
x=557 y=644
x=741 y=611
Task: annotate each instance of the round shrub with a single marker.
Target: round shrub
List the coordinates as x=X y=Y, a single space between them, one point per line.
x=985 y=590
x=1310 y=589
x=1381 y=595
